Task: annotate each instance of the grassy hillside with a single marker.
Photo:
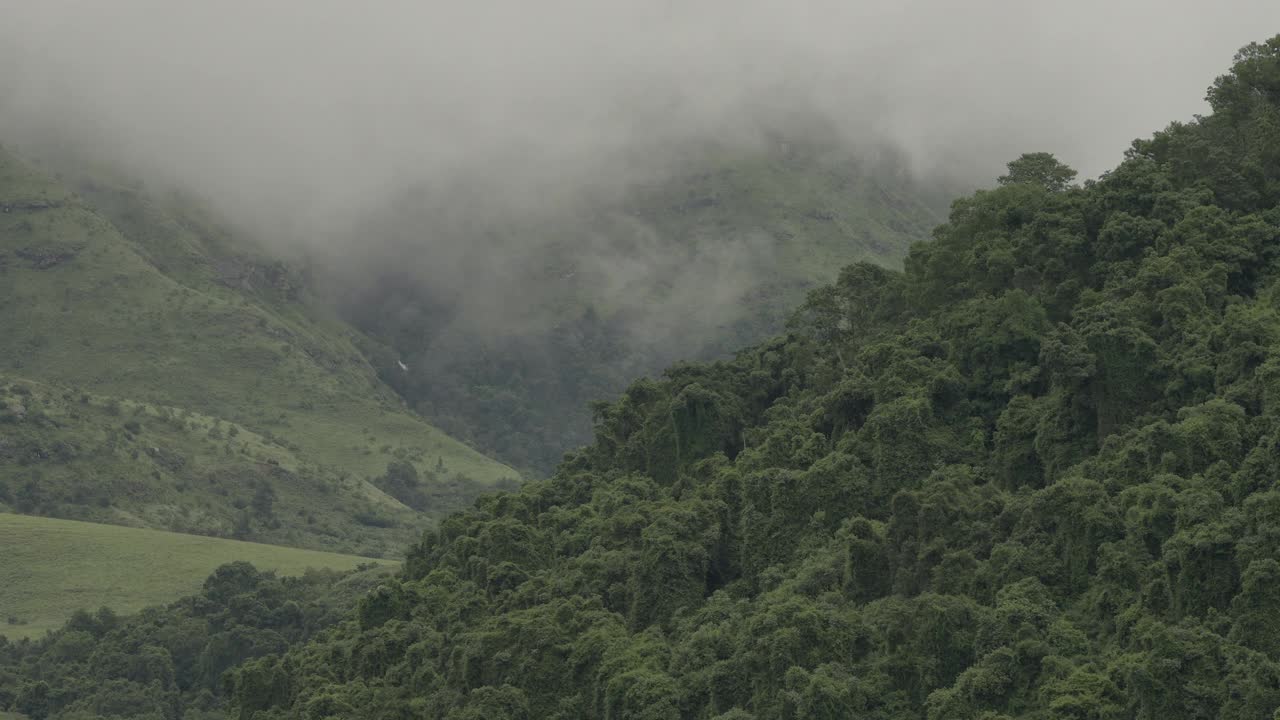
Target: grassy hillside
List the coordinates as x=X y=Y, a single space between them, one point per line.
x=146 y=308
x=51 y=568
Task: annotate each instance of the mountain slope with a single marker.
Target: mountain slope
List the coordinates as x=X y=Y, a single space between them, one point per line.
x=172 y=319
x=1030 y=476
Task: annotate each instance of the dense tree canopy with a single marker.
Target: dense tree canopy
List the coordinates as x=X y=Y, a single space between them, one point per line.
x=1031 y=476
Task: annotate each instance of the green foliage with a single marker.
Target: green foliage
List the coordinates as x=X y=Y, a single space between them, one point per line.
x=168 y=662
x=1041 y=169
x=1029 y=476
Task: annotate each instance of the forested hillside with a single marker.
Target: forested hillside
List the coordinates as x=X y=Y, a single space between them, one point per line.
x=168 y=661
x=1033 y=475
x=158 y=371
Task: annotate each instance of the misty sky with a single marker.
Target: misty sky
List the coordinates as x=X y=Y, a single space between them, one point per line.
x=316 y=106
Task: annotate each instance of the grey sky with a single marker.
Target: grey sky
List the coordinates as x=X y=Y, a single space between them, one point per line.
x=311 y=107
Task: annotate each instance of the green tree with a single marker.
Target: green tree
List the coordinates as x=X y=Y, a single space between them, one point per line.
x=1040 y=168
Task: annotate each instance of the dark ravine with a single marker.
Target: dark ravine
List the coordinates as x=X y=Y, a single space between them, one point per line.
x=692 y=266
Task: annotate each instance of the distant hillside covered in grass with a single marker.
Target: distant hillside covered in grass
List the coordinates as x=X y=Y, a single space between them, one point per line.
x=51 y=568
x=157 y=372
